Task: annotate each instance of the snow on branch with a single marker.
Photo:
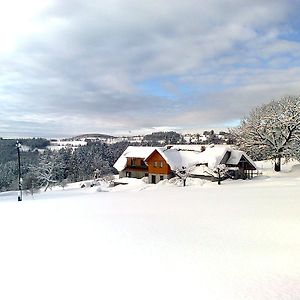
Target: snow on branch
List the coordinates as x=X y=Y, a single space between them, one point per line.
x=271 y=130
x=184 y=172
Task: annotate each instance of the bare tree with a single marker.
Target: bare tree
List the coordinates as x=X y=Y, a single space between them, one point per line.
x=183 y=173
x=271 y=130
x=219 y=171
x=48 y=171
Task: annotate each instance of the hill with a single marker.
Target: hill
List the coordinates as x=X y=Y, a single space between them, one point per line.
x=91 y=136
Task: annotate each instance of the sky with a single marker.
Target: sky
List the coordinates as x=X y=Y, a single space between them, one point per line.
x=129 y=66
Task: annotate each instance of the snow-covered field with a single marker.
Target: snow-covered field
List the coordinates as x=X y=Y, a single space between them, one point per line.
x=240 y=240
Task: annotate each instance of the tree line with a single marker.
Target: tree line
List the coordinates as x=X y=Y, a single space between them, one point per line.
x=8 y=159
x=45 y=168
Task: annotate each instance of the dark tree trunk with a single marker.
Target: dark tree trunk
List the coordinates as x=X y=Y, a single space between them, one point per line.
x=219 y=178
x=277 y=164
x=47 y=186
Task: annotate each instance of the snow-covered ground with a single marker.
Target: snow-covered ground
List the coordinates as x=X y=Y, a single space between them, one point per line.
x=58 y=145
x=240 y=240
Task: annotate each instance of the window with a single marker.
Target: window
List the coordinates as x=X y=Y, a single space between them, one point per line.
x=161 y=164
x=133 y=162
x=155 y=164
x=128 y=174
x=161 y=177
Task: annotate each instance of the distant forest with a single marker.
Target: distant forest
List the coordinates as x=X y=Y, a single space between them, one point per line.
x=40 y=166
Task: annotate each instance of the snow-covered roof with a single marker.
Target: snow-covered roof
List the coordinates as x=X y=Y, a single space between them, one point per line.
x=212 y=156
x=196 y=147
x=138 y=152
x=235 y=157
x=133 y=151
x=201 y=170
x=178 y=159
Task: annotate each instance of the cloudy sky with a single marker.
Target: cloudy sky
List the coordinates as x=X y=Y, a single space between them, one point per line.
x=93 y=66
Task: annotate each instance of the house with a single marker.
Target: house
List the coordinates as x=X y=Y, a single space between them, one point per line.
x=238 y=164
x=139 y=162
x=159 y=163
x=158 y=166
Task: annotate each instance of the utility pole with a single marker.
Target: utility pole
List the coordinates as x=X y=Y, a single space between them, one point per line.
x=18 y=145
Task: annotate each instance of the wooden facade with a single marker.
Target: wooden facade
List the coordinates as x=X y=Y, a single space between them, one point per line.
x=135 y=168
x=243 y=170
x=157 y=164
x=158 y=168
x=154 y=167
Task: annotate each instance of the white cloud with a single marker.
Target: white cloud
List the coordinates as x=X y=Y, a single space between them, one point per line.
x=82 y=61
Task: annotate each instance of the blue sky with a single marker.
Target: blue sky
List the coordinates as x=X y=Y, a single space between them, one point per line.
x=70 y=67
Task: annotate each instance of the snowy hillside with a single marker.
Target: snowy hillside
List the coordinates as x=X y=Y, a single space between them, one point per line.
x=236 y=241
